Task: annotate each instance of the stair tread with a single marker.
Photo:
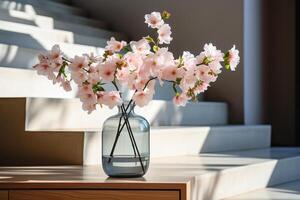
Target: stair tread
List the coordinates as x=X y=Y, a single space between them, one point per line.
x=286 y=191
x=55 y=15
x=49 y=23
x=40 y=45
x=219 y=175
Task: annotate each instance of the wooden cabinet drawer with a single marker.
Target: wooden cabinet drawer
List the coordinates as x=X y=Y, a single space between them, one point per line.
x=3 y=195
x=94 y=195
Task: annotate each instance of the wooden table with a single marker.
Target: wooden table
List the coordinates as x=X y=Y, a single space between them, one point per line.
x=88 y=183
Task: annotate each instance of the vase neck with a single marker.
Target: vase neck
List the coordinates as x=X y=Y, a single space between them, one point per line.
x=125 y=105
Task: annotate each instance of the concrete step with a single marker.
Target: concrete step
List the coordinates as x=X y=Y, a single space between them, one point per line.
x=36 y=6
x=287 y=191
x=181 y=140
x=76 y=119
x=56 y=35
x=18 y=57
x=68 y=2
x=50 y=23
x=39 y=86
x=31 y=12
x=26 y=83
x=222 y=175
x=34 y=85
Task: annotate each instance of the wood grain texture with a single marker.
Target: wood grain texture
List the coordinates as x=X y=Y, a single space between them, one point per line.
x=91 y=178
x=93 y=195
x=18 y=147
x=3 y=195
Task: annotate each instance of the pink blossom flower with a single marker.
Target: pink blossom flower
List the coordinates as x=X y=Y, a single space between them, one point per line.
x=93 y=58
x=233 y=58
x=155 y=62
x=123 y=74
x=85 y=89
x=180 y=99
x=203 y=73
x=107 y=69
x=188 y=81
x=55 y=54
x=66 y=85
x=100 y=97
x=154 y=20
x=201 y=88
x=93 y=75
x=139 y=84
x=134 y=60
x=78 y=63
x=114 y=45
x=111 y=99
x=216 y=67
x=142 y=46
x=79 y=76
x=188 y=58
x=43 y=68
x=172 y=72
x=164 y=34
x=88 y=98
x=210 y=54
x=88 y=107
x=142 y=98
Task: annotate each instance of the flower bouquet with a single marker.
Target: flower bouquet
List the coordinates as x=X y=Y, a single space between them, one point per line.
x=136 y=66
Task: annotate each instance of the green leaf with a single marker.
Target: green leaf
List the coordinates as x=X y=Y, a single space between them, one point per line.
x=165 y=15
x=227 y=66
x=127 y=48
x=155 y=48
x=150 y=39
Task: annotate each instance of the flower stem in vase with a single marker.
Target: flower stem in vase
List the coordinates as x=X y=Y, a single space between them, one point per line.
x=130 y=133
x=120 y=130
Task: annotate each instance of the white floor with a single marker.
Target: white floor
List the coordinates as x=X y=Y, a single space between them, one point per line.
x=288 y=191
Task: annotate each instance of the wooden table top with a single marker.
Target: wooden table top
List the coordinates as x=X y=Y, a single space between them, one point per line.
x=84 y=177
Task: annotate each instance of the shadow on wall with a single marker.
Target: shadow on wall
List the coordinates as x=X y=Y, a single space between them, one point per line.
x=67 y=114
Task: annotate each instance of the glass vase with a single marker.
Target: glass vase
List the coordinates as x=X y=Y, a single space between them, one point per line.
x=126 y=143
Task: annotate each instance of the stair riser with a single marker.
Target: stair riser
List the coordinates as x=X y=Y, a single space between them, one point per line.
x=26 y=83
x=190 y=141
x=18 y=147
x=208 y=139
x=44 y=6
x=77 y=119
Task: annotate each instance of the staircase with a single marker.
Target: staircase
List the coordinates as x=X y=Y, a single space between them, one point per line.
x=228 y=160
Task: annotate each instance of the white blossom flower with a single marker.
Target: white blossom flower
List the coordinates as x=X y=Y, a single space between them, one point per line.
x=154 y=20
x=233 y=58
x=142 y=46
x=164 y=34
x=78 y=63
x=114 y=45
